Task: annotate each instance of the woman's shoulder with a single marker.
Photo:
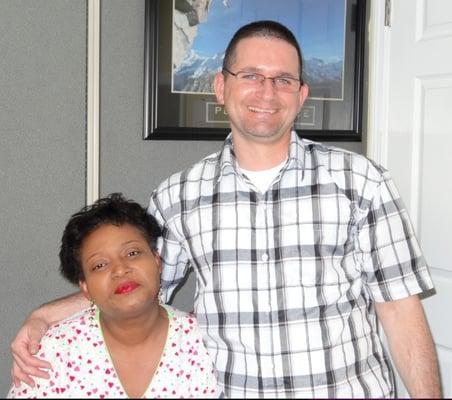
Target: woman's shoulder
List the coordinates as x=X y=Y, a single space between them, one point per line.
x=182 y=317
x=183 y=326
x=75 y=328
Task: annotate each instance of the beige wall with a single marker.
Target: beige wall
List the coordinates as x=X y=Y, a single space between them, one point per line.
x=42 y=151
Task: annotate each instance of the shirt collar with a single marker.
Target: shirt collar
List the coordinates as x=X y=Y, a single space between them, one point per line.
x=297 y=150
x=227 y=160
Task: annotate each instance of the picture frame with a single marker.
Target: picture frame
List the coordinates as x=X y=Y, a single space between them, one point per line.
x=173 y=110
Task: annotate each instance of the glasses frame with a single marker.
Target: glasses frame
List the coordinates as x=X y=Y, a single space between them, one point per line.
x=271 y=78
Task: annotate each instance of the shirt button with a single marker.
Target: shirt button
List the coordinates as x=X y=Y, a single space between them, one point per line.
x=264 y=257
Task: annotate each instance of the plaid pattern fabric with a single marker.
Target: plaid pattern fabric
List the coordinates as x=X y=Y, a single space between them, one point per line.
x=285 y=280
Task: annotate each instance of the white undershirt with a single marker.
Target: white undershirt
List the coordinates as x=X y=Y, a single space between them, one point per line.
x=264 y=178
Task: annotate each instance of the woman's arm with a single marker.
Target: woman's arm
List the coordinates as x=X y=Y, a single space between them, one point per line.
x=26 y=342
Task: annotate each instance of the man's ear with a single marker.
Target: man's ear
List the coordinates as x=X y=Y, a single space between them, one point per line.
x=84 y=289
x=218 y=87
x=304 y=91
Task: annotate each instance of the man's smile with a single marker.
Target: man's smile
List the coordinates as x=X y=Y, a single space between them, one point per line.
x=262 y=110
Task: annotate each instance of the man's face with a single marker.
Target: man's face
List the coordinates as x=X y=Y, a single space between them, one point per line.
x=261 y=113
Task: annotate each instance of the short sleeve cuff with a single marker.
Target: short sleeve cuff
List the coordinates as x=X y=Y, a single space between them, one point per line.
x=400 y=288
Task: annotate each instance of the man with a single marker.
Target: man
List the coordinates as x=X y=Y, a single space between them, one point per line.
x=297 y=248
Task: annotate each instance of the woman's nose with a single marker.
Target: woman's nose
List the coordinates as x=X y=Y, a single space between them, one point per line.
x=120 y=268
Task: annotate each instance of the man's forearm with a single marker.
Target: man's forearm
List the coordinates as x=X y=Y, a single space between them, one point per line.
x=411 y=346
x=60 y=309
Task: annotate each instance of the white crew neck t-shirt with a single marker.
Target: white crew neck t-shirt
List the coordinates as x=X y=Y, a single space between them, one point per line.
x=264 y=178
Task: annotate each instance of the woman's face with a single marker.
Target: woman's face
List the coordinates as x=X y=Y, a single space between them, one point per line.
x=122 y=273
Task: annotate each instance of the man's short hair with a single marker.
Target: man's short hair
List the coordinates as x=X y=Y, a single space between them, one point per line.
x=264 y=29
x=113 y=209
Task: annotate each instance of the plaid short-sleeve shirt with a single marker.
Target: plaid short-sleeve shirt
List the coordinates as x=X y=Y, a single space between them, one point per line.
x=285 y=279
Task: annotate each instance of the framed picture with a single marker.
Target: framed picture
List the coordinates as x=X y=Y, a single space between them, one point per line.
x=185 y=42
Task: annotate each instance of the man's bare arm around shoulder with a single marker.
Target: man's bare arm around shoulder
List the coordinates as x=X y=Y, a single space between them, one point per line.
x=411 y=345
x=26 y=342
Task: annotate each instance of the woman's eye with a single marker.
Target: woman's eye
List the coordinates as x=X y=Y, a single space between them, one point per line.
x=98 y=266
x=133 y=253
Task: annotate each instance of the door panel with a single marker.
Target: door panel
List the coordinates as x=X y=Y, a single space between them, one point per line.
x=414 y=142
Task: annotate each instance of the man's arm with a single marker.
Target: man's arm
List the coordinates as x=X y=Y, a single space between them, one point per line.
x=411 y=345
x=26 y=342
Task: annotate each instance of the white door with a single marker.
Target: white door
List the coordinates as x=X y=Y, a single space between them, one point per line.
x=410 y=132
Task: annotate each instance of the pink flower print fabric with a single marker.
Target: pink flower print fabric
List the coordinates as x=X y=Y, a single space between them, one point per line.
x=82 y=367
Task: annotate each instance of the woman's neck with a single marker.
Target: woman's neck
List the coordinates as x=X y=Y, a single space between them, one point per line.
x=134 y=330
x=136 y=345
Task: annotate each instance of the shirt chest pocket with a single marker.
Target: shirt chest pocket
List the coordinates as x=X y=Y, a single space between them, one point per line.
x=320 y=257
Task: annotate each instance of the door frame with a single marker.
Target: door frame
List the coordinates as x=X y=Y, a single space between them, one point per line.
x=92 y=102
x=379 y=46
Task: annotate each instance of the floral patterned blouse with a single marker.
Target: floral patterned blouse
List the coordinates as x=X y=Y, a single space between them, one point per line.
x=82 y=366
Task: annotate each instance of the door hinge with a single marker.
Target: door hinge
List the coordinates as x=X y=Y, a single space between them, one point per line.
x=387 y=12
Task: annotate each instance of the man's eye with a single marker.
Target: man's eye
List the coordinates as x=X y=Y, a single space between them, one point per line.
x=283 y=81
x=250 y=77
x=133 y=253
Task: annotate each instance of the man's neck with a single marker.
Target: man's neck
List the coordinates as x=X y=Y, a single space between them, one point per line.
x=257 y=156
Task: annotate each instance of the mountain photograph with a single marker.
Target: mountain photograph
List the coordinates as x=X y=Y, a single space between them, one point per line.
x=202 y=29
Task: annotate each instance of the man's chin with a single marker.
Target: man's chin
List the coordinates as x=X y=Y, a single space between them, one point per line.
x=265 y=135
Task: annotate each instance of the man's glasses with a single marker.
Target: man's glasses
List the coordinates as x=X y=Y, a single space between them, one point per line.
x=280 y=83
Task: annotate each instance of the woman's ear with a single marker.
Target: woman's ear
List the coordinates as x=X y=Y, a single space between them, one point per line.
x=84 y=289
x=158 y=260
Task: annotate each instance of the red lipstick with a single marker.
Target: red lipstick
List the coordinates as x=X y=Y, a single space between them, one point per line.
x=126 y=287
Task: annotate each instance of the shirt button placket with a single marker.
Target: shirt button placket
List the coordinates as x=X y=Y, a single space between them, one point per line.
x=271 y=273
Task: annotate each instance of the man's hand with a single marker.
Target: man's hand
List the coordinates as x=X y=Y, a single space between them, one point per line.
x=26 y=342
x=24 y=345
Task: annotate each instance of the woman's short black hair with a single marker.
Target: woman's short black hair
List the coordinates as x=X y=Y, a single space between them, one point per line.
x=113 y=209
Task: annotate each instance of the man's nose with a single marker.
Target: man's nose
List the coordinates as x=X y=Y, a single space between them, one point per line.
x=267 y=87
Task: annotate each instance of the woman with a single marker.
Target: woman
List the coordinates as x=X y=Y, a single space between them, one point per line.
x=126 y=344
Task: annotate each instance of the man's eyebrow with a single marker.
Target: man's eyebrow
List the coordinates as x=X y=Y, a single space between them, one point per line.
x=276 y=75
x=288 y=75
